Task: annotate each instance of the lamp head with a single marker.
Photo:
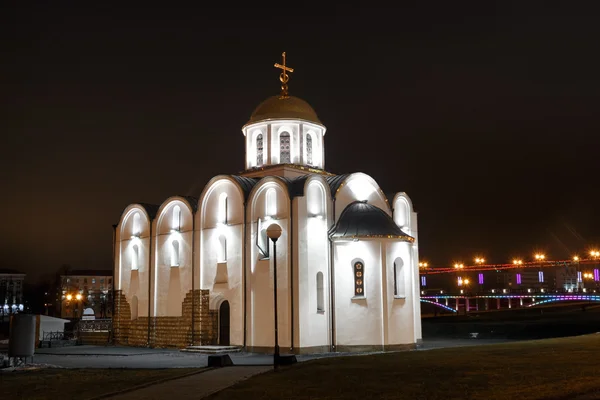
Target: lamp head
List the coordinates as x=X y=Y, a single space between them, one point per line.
x=274 y=232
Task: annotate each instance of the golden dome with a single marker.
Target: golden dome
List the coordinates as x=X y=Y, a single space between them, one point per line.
x=289 y=107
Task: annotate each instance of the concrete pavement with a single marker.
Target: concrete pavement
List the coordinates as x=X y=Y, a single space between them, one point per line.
x=139 y=357
x=195 y=386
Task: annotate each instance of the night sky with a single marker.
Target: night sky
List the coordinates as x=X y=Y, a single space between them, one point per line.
x=487 y=117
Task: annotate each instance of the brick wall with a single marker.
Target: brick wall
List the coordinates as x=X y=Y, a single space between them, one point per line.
x=165 y=331
x=213 y=328
x=121 y=319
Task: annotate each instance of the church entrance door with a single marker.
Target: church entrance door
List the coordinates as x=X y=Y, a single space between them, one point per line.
x=224 y=324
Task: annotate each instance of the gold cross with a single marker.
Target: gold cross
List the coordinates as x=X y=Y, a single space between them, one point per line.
x=284 y=77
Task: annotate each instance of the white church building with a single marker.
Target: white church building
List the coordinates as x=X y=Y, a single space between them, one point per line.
x=200 y=271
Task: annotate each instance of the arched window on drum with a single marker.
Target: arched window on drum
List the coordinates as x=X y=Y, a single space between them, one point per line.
x=309 y=149
x=259 y=149
x=284 y=148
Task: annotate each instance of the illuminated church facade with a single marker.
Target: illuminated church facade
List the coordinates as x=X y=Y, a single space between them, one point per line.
x=199 y=271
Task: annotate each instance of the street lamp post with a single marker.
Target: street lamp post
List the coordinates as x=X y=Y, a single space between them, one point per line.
x=273 y=233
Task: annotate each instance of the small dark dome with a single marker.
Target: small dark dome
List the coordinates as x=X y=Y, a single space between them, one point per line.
x=363 y=220
x=288 y=107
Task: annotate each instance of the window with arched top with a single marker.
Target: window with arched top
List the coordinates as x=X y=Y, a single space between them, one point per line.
x=315 y=198
x=259 y=149
x=176 y=223
x=271 y=203
x=359 y=278
x=284 y=148
x=135 y=257
x=320 y=293
x=309 y=149
x=399 y=281
x=136 y=228
x=222 y=208
x=222 y=249
x=175 y=253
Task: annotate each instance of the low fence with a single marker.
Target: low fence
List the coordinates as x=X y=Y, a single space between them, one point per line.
x=95 y=325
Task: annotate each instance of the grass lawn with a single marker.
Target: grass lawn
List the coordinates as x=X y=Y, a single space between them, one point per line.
x=80 y=384
x=541 y=369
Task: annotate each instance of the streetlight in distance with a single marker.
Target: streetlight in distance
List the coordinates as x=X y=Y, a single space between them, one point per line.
x=423 y=265
x=540 y=257
x=458 y=266
x=576 y=258
x=479 y=260
x=273 y=233
x=595 y=253
x=516 y=261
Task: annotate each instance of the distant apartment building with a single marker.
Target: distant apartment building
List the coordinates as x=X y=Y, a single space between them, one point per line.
x=81 y=290
x=11 y=292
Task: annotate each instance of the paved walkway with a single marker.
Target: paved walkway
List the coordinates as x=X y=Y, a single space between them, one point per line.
x=134 y=357
x=195 y=386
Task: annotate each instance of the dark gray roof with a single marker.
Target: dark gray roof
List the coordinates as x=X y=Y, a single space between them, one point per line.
x=296 y=185
x=151 y=209
x=335 y=182
x=363 y=220
x=193 y=202
x=246 y=184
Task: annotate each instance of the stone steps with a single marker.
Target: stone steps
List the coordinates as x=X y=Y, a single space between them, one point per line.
x=212 y=349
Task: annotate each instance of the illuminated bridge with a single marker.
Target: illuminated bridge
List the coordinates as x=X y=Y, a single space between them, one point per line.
x=482 y=302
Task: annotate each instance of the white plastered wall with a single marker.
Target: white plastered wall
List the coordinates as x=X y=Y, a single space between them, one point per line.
x=172 y=275
x=318 y=153
x=223 y=277
x=271 y=131
x=406 y=218
x=400 y=307
x=358 y=320
x=133 y=282
x=313 y=326
x=259 y=287
x=251 y=132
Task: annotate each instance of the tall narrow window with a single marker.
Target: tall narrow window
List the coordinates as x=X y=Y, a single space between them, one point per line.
x=359 y=275
x=222 y=251
x=135 y=257
x=175 y=253
x=309 y=149
x=320 y=293
x=395 y=280
x=259 y=149
x=399 y=282
x=284 y=148
x=271 y=203
x=135 y=231
x=223 y=208
x=176 y=224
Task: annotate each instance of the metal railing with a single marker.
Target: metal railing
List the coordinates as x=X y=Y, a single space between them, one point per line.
x=95 y=325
